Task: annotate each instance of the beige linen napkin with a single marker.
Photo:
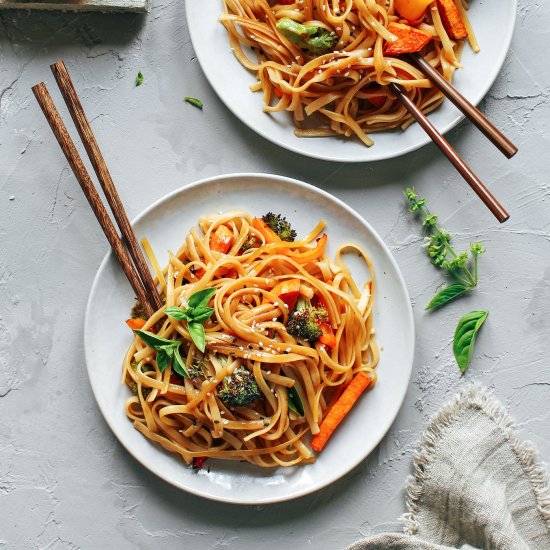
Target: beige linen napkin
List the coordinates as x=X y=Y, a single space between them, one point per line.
x=475 y=487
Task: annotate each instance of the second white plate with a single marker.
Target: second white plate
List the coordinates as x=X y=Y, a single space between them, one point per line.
x=493 y=22
x=165 y=224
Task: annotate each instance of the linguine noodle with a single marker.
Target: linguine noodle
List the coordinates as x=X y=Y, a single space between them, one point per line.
x=248 y=328
x=345 y=90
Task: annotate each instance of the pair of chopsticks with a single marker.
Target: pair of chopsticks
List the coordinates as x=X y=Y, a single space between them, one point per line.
x=475 y=116
x=125 y=246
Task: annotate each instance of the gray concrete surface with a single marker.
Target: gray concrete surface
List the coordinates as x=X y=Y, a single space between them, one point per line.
x=65 y=482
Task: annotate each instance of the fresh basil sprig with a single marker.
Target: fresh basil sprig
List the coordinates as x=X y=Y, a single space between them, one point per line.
x=294 y=402
x=465 y=337
x=195 y=314
x=462 y=267
x=168 y=352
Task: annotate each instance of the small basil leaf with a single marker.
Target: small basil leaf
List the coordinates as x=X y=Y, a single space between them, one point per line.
x=294 y=402
x=200 y=314
x=178 y=364
x=195 y=102
x=465 y=337
x=201 y=298
x=177 y=313
x=446 y=295
x=152 y=340
x=198 y=335
x=163 y=359
x=139 y=78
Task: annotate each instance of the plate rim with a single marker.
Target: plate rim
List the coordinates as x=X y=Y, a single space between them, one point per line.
x=400 y=279
x=497 y=68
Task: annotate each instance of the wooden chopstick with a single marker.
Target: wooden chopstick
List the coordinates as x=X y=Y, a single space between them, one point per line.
x=475 y=183
x=68 y=147
x=82 y=124
x=474 y=115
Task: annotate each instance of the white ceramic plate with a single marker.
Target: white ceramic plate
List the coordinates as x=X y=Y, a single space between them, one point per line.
x=166 y=223
x=493 y=22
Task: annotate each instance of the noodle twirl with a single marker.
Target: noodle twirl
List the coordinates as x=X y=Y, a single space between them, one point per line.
x=284 y=329
x=332 y=60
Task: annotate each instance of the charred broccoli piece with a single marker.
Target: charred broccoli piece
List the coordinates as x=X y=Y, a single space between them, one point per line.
x=249 y=243
x=196 y=369
x=278 y=223
x=240 y=389
x=138 y=312
x=314 y=40
x=144 y=391
x=306 y=321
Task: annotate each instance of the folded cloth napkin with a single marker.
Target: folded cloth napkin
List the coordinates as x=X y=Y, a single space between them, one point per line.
x=475 y=487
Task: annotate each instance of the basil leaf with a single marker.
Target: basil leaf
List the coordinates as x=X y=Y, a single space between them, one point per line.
x=465 y=337
x=139 y=78
x=294 y=402
x=198 y=334
x=200 y=314
x=195 y=102
x=178 y=364
x=152 y=340
x=178 y=313
x=201 y=298
x=163 y=359
x=446 y=295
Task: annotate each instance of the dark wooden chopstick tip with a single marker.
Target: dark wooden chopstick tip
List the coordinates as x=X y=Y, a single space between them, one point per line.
x=505 y=146
x=455 y=159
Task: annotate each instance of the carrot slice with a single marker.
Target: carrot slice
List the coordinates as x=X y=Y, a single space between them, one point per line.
x=221 y=240
x=269 y=235
x=136 y=324
x=450 y=16
x=409 y=39
x=327 y=337
x=199 y=273
x=310 y=255
x=288 y=292
x=377 y=100
x=341 y=408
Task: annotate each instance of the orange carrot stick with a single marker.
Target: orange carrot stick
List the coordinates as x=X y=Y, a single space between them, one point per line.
x=327 y=337
x=345 y=402
x=450 y=16
x=409 y=39
x=269 y=235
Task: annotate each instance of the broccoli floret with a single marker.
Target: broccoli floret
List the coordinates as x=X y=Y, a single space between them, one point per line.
x=145 y=391
x=138 y=312
x=314 y=40
x=323 y=42
x=306 y=321
x=278 y=223
x=249 y=243
x=240 y=389
x=196 y=369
